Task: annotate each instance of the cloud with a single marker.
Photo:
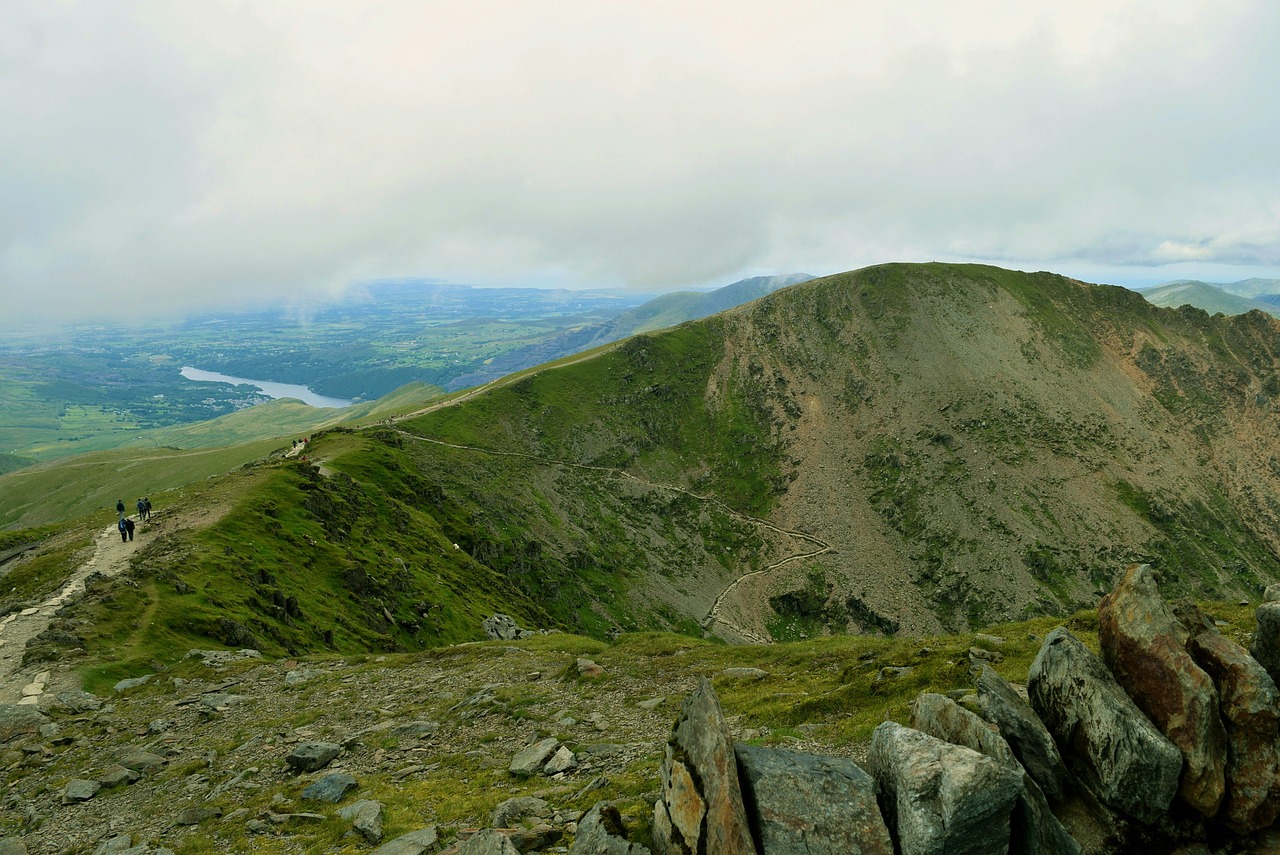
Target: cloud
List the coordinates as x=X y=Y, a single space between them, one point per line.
x=166 y=155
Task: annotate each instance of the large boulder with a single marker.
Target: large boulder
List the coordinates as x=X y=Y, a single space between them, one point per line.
x=941 y=798
x=1033 y=829
x=1107 y=742
x=700 y=809
x=1025 y=733
x=1145 y=647
x=806 y=804
x=19 y=720
x=601 y=833
x=1266 y=638
x=1250 y=706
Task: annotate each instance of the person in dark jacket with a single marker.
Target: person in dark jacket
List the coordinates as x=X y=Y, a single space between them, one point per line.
x=128 y=527
x=124 y=529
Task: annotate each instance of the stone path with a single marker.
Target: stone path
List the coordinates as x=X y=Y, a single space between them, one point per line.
x=24 y=685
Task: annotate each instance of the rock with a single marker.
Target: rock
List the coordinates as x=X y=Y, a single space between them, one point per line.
x=197 y=815
x=500 y=627
x=330 y=788
x=1144 y=645
x=1266 y=639
x=535 y=839
x=78 y=701
x=518 y=811
x=415 y=729
x=993 y=640
x=1113 y=748
x=939 y=797
x=142 y=761
x=365 y=817
x=12 y=846
x=601 y=833
x=700 y=809
x=651 y=703
x=743 y=673
x=312 y=756
x=562 y=761
x=1271 y=594
x=133 y=682
x=19 y=720
x=486 y=841
x=979 y=655
x=1033 y=828
x=119 y=845
x=530 y=759
x=1024 y=732
x=79 y=790
x=589 y=669
x=115 y=775
x=805 y=804
x=1249 y=703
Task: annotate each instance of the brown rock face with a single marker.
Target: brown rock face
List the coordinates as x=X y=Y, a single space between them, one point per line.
x=1145 y=648
x=1250 y=707
x=701 y=806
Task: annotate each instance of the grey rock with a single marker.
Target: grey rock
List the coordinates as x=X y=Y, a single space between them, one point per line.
x=487 y=841
x=79 y=701
x=744 y=673
x=1266 y=639
x=133 y=682
x=365 y=817
x=805 y=804
x=530 y=759
x=1115 y=750
x=12 y=846
x=416 y=728
x=535 y=839
x=518 y=811
x=330 y=788
x=413 y=843
x=115 y=775
x=312 y=756
x=1024 y=732
x=562 y=761
x=651 y=703
x=119 y=845
x=500 y=627
x=142 y=761
x=20 y=720
x=299 y=676
x=589 y=668
x=79 y=790
x=941 y=798
x=700 y=808
x=601 y=832
x=1271 y=594
x=197 y=815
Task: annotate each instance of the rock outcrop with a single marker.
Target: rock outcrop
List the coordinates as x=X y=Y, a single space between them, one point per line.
x=1024 y=732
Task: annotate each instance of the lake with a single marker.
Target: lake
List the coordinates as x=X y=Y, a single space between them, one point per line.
x=269 y=388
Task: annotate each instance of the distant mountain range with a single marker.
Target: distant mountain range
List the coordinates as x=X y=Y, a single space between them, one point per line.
x=1230 y=298
x=667 y=310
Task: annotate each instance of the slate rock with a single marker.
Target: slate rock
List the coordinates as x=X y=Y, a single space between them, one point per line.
x=486 y=841
x=12 y=846
x=79 y=790
x=500 y=627
x=1266 y=639
x=1144 y=645
x=941 y=798
x=589 y=669
x=20 y=720
x=115 y=775
x=535 y=839
x=1024 y=732
x=1249 y=703
x=1271 y=594
x=806 y=804
x=700 y=808
x=133 y=682
x=365 y=817
x=312 y=756
x=331 y=788
x=1108 y=742
x=197 y=815
x=562 y=761
x=743 y=673
x=601 y=832
x=416 y=728
x=142 y=761
x=530 y=759
x=518 y=811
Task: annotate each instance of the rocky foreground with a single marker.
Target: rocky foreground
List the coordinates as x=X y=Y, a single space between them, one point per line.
x=1169 y=741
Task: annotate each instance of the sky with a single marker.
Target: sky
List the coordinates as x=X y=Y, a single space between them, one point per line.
x=179 y=155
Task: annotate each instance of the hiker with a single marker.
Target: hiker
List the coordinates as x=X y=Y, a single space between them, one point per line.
x=124 y=529
x=120 y=508
x=147 y=503
x=128 y=527
x=142 y=510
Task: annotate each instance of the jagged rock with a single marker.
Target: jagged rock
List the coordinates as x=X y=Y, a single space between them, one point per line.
x=312 y=756
x=486 y=841
x=806 y=804
x=501 y=627
x=197 y=815
x=651 y=703
x=530 y=759
x=78 y=701
x=535 y=839
x=1145 y=648
x=941 y=798
x=1271 y=594
x=743 y=673
x=562 y=761
x=1266 y=639
x=119 y=845
x=365 y=817
x=330 y=788
x=1024 y=732
x=700 y=809
x=601 y=833
x=79 y=790
x=19 y=720
x=416 y=729
x=236 y=634
x=411 y=844
x=589 y=669
x=518 y=811
x=1250 y=706
x=1107 y=741
x=142 y=761
x=1033 y=828
x=115 y=775
x=133 y=683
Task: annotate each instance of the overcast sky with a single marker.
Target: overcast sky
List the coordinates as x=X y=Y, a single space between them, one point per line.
x=176 y=154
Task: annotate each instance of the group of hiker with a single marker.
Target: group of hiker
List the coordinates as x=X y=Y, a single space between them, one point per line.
x=124 y=524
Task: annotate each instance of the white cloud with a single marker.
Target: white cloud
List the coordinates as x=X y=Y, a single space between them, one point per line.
x=186 y=152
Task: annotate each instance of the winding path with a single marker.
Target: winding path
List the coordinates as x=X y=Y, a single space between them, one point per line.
x=713 y=615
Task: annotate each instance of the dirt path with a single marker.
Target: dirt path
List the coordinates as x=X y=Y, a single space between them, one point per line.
x=110 y=556
x=713 y=615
